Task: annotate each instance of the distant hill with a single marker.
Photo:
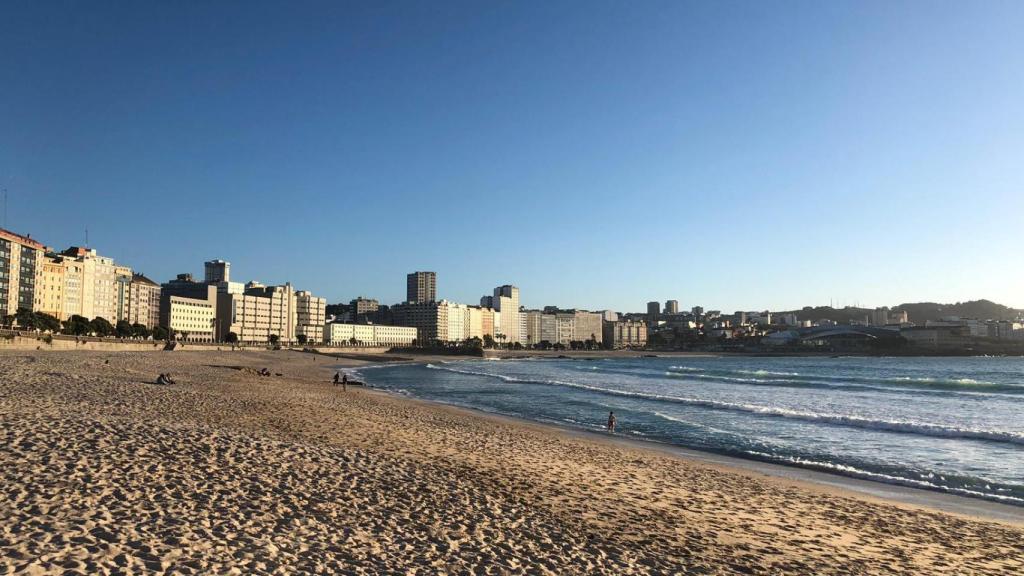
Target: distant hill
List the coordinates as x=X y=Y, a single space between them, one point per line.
x=981 y=309
x=919 y=312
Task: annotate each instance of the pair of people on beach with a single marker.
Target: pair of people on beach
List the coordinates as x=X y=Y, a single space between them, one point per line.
x=344 y=381
x=164 y=380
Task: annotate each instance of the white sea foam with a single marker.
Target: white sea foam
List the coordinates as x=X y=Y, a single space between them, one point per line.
x=855 y=421
x=879 y=477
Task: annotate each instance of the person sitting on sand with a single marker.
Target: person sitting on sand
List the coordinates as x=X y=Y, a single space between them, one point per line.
x=164 y=380
x=264 y=372
x=611 y=422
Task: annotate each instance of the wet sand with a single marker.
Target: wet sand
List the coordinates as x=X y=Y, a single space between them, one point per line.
x=229 y=472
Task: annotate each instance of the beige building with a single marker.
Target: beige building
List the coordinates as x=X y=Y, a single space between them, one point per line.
x=143 y=302
x=92 y=288
x=21 y=263
x=625 y=334
x=74 y=288
x=337 y=333
x=311 y=315
x=260 y=313
x=512 y=325
x=247 y=315
x=442 y=321
x=587 y=325
x=479 y=322
x=123 y=282
x=193 y=319
x=50 y=288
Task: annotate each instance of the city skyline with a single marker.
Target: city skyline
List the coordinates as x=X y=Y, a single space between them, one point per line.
x=594 y=155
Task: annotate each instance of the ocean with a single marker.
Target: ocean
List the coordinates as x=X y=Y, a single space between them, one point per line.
x=948 y=424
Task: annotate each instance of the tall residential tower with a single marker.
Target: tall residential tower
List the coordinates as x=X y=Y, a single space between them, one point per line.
x=421 y=287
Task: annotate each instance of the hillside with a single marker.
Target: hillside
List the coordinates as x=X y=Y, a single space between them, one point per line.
x=919 y=312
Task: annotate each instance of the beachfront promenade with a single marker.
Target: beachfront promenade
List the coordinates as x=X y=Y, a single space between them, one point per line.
x=105 y=472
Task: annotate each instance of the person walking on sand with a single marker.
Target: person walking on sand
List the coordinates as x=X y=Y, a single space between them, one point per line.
x=611 y=422
x=344 y=383
x=335 y=378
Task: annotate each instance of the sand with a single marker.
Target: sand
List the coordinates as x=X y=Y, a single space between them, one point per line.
x=103 y=472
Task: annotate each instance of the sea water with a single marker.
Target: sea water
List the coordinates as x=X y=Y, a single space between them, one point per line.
x=949 y=424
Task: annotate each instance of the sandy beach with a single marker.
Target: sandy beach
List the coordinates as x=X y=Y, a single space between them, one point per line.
x=104 y=472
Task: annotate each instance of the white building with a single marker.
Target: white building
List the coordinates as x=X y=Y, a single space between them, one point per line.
x=311 y=315
x=192 y=318
x=368 y=334
x=513 y=325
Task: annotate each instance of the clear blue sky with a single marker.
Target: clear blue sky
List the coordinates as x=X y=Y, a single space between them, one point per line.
x=734 y=155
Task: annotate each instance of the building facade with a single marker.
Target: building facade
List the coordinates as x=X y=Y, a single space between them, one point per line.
x=512 y=326
x=95 y=286
x=421 y=287
x=337 y=333
x=144 y=302
x=193 y=319
x=50 y=287
x=216 y=271
x=588 y=326
x=671 y=307
x=311 y=315
x=625 y=334
x=21 y=263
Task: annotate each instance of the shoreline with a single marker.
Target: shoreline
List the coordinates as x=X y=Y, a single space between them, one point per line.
x=977 y=507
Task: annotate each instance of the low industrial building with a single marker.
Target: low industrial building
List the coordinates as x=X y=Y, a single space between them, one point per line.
x=339 y=334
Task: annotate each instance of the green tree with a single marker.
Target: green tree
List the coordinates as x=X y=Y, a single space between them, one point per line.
x=302 y=338
x=123 y=329
x=47 y=322
x=160 y=333
x=25 y=319
x=274 y=339
x=231 y=338
x=77 y=325
x=101 y=326
x=140 y=331
x=488 y=341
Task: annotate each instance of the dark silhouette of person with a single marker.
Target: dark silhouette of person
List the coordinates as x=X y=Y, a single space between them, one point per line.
x=344 y=383
x=335 y=378
x=611 y=421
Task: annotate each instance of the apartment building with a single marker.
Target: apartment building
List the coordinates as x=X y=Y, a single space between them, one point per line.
x=50 y=287
x=265 y=311
x=512 y=322
x=441 y=321
x=479 y=322
x=625 y=334
x=310 y=316
x=21 y=263
x=216 y=271
x=246 y=315
x=92 y=286
x=587 y=326
x=143 y=302
x=421 y=287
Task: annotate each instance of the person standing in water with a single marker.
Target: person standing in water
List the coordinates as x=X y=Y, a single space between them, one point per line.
x=611 y=422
